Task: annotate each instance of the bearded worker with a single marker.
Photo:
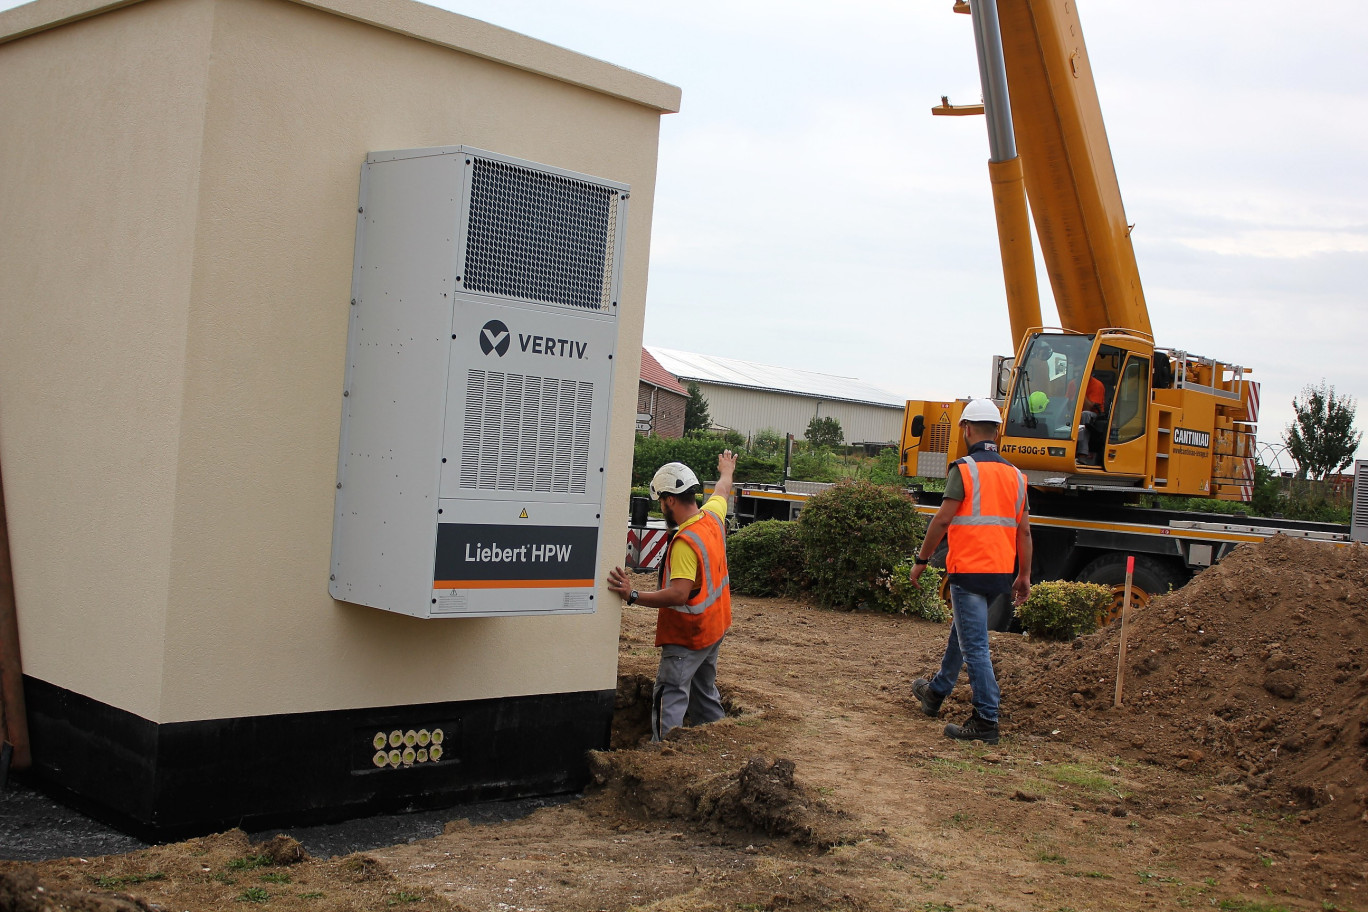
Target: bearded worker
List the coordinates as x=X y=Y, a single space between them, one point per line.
x=693 y=600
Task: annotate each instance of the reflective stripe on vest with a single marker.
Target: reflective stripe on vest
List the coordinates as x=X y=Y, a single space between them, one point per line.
x=984 y=541
x=708 y=594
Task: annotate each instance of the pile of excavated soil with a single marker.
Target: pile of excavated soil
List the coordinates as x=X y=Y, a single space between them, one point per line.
x=1253 y=673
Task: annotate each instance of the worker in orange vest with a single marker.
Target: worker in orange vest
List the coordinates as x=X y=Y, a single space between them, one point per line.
x=693 y=600
x=985 y=514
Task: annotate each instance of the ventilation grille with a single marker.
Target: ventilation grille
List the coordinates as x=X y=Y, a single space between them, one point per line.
x=526 y=433
x=540 y=237
x=938 y=436
x=1358 y=525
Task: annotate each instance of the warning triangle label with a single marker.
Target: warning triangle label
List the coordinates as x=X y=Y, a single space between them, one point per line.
x=523 y=514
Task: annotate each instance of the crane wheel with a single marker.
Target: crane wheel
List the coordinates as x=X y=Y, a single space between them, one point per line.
x=1151 y=579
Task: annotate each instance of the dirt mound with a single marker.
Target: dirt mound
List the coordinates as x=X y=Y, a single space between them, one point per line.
x=686 y=779
x=1253 y=673
x=21 y=891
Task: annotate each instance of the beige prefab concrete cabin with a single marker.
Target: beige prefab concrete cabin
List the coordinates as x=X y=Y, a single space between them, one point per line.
x=180 y=185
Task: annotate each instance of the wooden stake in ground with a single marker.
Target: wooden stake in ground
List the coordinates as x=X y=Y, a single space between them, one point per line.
x=1121 y=654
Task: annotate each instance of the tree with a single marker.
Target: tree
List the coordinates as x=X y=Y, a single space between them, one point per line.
x=696 y=417
x=824 y=432
x=1323 y=440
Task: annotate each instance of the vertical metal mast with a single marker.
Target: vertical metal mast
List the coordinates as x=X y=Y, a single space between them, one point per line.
x=1004 y=169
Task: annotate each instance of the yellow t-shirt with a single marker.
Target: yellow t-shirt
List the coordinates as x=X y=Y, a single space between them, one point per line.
x=683 y=560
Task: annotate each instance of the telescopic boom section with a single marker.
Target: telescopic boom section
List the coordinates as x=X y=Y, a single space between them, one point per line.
x=1069 y=174
x=1009 y=186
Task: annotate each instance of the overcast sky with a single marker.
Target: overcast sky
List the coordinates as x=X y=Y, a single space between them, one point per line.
x=811 y=213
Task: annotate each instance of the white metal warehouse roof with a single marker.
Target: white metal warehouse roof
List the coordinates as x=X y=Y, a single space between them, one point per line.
x=749 y=375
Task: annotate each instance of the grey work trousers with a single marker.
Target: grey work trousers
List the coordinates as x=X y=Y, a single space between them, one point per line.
x=686 y=682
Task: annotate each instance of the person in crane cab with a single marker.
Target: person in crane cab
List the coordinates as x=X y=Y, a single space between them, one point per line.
x=985 y=515
x=1091 y=423
x=693 y=600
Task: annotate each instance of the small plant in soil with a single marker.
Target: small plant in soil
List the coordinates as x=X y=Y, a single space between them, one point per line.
x=249 y=862
x=254 y=895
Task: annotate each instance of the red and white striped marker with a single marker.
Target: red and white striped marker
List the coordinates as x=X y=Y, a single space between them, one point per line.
x=645 y=548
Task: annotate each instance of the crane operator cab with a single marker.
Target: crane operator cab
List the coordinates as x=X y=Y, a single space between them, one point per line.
x=1079 y=403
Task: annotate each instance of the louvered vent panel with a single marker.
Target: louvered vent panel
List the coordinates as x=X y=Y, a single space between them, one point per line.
x=1358 y=525
x=938 y=436
x=540 y=237
x=526 y=433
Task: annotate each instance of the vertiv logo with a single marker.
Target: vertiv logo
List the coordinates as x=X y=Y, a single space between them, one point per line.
x=495 y=337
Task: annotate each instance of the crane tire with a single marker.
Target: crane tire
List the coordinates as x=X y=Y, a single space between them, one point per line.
x=1151 y=579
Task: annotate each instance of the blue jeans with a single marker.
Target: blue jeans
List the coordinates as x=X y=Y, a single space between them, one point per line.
x=969 y=645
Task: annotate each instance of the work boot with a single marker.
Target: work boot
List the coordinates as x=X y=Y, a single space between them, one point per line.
x=929 y=699
x=974 y=729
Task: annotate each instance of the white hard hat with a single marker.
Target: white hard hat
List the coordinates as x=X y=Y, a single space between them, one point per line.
x=981 y=410
x=672 y=478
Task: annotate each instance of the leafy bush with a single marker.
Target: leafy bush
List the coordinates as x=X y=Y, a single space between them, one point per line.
x=824 y=432
x=759 y=469
x=852 y=534
x=698 y=453
x=1060 y=610
x=767 y=442
x=819 y=465
x=896 y=594
x=766 y=558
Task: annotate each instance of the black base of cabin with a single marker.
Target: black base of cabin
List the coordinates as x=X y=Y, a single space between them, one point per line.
x=167 y=782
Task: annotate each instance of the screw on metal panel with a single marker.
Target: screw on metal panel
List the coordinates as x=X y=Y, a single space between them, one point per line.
x=626 y=196
x=453 y=335
x=345 y=394
x=333 y=577
x=353 y=302
x=339 y=484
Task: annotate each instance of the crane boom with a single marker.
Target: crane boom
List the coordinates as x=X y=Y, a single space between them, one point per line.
x=1069 y=173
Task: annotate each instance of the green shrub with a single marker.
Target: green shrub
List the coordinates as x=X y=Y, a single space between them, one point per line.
x=852 y=534
x=766 y=559
x=815 y=465
x=768 y=442
x=698 y=453
x=759 y=469
x=1061 y=610
x=896 y=594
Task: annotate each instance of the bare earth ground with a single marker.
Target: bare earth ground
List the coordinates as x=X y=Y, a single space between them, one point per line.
x=1233 y=777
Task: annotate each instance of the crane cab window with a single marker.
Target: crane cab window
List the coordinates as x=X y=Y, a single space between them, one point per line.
x=1132 y=401
x=1044 y=398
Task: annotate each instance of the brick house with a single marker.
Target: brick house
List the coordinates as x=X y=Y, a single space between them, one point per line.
x=660 y=395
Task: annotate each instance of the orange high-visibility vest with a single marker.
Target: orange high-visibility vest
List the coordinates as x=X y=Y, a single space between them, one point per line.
x=707 y=615
x=983 y=531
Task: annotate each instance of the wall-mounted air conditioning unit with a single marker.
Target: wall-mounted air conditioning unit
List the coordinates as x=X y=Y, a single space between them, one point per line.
x=478 y=382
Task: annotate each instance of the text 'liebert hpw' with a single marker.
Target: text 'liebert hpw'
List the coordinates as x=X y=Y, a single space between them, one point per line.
x=493 y=554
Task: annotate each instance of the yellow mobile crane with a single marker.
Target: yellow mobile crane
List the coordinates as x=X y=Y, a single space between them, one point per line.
x=1094 y=413
x=1092 y=404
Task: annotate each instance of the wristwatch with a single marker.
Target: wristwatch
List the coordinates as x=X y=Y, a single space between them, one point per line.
x=921 y=561
x=631 y=599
